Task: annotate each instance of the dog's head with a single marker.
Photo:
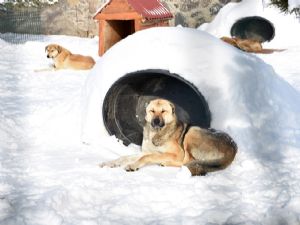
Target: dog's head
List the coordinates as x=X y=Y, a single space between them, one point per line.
x=53 y=50
x=159 y=113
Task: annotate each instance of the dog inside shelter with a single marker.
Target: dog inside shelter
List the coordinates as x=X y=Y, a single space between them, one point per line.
x=166 y=123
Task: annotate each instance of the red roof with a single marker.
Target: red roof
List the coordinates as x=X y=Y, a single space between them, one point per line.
x=151 y=9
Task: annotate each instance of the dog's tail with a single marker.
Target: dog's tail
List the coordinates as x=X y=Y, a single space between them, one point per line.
x=200 y=167
x=269 y=51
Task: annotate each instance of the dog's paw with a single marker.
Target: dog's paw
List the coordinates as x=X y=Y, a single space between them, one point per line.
x=101 y=165
x=131 y=168
x=108 y=164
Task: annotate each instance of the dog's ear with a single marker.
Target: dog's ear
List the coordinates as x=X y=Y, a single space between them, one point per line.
x=173 y=107
x=146 y=104
x=59 y=48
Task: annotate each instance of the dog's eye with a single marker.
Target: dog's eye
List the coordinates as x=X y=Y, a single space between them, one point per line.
x=152 y=110
x=162 y=111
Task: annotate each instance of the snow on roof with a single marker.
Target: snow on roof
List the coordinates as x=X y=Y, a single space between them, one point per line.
x=102 y=7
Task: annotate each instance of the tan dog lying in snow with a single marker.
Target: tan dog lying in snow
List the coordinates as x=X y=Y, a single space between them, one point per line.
x=249 y=45
x=64 y=59
x=169 y=142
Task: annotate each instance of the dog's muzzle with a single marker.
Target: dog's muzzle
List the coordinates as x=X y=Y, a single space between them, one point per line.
x=157 y=123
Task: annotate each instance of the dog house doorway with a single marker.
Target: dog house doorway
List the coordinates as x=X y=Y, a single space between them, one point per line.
x=125 y=102
x=116 y=30
x=120 y=18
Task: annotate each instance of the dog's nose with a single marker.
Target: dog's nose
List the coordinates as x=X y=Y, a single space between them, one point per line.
x=48 y=56
x=157 y=122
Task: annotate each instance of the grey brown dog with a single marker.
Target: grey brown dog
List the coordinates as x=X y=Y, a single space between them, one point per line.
x=169 y=142
x=64 y=59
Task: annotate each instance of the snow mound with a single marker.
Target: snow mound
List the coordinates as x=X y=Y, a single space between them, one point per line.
x=243 y=93
x=247 y=99
x=231 y=12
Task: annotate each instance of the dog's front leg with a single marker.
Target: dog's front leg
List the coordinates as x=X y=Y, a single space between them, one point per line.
x=44 y=70
x=164 y=159
x=121 y=162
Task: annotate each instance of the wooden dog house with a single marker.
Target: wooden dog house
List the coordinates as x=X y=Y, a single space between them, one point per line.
x=120 y=18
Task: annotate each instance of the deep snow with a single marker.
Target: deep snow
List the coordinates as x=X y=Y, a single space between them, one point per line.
x=49 y=177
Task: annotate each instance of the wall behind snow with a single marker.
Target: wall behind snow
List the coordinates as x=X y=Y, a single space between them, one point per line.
x=67 y=17
x=75 y=17
x=192 y=13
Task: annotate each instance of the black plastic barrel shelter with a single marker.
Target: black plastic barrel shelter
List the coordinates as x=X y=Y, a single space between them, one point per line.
x=125 y=102
x=254 y=28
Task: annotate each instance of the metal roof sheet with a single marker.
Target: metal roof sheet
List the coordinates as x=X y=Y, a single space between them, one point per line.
x=151 y=9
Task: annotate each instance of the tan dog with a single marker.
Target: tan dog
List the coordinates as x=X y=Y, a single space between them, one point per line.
x=64 y=59
x=169 y=142
x=248 y=45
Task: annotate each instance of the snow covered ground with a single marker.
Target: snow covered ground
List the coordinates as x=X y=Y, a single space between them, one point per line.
x=47 y=176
